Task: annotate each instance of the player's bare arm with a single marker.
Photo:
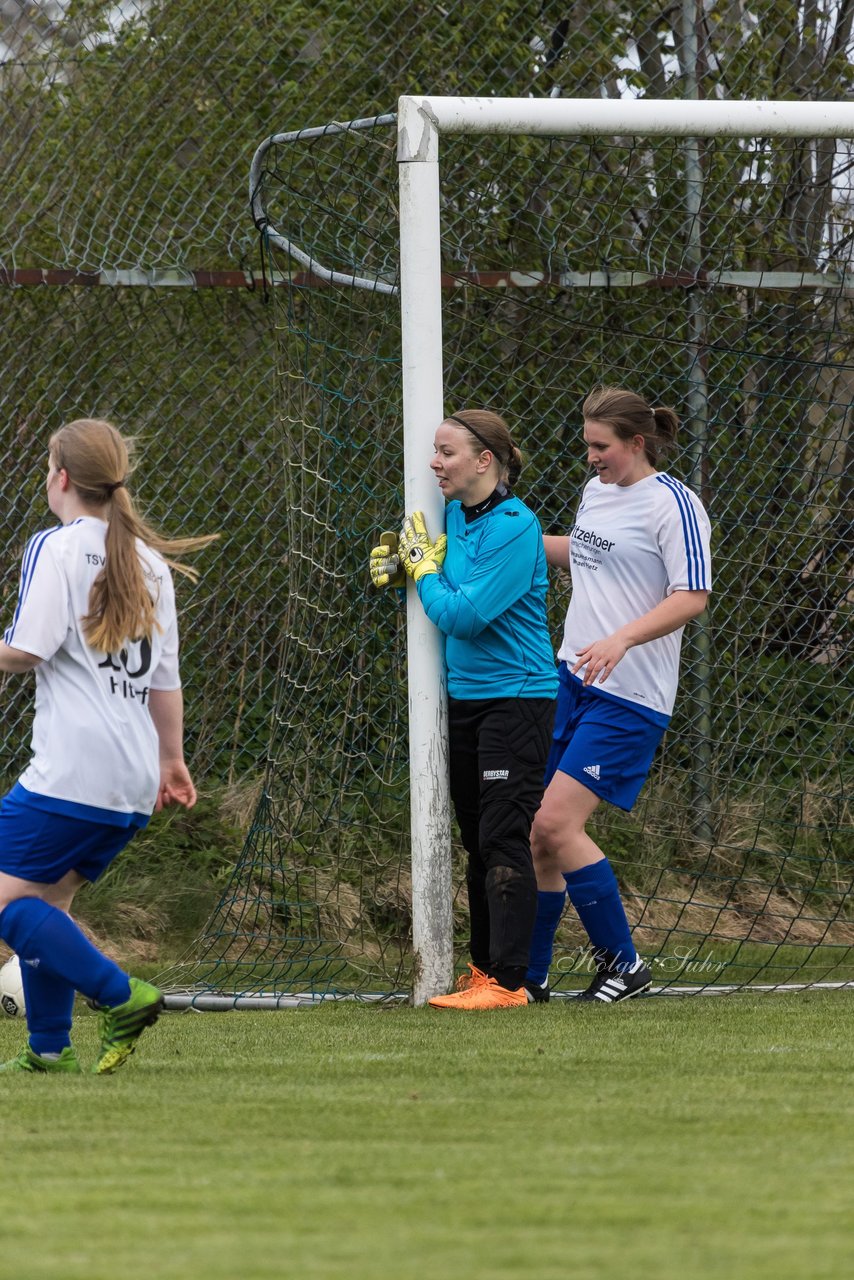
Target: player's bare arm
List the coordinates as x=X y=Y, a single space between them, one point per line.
x=176 y=785
x=557 y=550
x=601 y=657
x=16 y=660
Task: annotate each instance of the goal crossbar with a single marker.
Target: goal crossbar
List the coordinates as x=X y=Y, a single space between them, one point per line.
x=422 y=119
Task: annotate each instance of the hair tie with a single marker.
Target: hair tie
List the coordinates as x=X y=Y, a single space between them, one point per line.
x=111 y=488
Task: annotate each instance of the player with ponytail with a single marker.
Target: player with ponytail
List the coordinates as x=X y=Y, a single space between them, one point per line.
x=638 y=553
x=96 y=621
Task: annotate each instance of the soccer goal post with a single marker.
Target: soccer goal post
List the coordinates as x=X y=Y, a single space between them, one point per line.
x=513 y=253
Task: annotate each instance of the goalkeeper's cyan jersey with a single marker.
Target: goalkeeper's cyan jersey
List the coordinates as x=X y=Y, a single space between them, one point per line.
x=630 y=548
x=490 y=601
x=95 y=748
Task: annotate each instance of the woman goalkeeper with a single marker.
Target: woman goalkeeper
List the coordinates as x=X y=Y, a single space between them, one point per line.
x=484 y=585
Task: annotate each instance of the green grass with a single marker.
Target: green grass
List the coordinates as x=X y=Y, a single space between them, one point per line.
x=669 y=1139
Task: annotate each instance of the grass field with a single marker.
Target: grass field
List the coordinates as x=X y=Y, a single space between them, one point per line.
x=690 y=1139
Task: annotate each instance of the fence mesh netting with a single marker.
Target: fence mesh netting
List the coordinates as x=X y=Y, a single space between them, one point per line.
x=270 y=410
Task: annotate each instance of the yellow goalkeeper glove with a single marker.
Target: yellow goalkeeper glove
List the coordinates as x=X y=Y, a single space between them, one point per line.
x=418 y=553
x=384 y=564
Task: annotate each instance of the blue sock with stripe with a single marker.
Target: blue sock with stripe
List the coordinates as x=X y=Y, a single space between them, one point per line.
x=49 y=1001
x=595 y=894
x=35 y=930
x=550 y=907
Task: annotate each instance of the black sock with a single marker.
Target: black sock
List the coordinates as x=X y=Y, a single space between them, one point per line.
x=511 y=978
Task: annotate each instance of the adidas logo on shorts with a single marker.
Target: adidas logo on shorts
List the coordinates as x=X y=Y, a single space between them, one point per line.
x=593 y=770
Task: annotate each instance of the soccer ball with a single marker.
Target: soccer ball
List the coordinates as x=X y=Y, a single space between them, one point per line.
x=12 y=989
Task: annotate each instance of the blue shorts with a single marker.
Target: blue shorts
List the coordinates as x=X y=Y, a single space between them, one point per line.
x=44 y=847
x=601 y=742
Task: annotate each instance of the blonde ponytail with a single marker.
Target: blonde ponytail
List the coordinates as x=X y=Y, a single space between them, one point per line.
x=122 y=607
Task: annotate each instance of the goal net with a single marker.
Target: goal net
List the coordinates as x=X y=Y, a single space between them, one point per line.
x=709 y=272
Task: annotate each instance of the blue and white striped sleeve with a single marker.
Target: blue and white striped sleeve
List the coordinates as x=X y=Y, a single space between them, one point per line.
x=684 y=534
x=40 y=621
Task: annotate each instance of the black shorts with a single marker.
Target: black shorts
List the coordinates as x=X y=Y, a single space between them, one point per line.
x=498 y=753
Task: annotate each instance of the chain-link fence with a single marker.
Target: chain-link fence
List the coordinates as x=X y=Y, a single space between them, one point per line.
x=126 y=135
x=134 y=290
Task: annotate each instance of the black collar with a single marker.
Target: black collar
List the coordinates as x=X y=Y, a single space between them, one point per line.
x=499 y=494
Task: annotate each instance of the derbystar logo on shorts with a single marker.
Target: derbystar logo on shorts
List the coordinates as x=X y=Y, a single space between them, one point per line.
x=496 y=775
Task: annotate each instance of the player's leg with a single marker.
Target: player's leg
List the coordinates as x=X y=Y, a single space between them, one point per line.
x=34 y=922
x=513 y=742
x=562 y=847
x=49 y=1001
x=558 y=840
x=63 y=852
x=463 y=731
x=44 y=937
x=49 y=1004
x=514 y=748
x=551 y=887
x=607 y=757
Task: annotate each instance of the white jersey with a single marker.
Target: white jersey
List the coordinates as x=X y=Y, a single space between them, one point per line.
x=95 y=747
x=630 y=548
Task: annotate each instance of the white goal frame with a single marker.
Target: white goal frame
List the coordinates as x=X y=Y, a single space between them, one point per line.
x=420 y=122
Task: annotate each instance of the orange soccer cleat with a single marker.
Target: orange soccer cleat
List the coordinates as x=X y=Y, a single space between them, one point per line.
x=473 y=978
x=482 y=995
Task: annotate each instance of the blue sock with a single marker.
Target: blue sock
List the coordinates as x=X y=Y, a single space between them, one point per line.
x=549 y=911
x=35 y=930
x=595 y=894
x=49 y=1002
